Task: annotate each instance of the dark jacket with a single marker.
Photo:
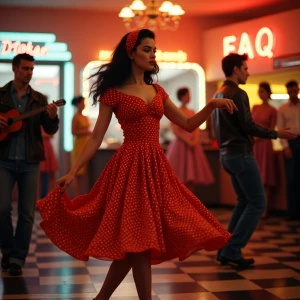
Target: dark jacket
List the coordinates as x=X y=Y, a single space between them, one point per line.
x=235 y=132
x=33 y=136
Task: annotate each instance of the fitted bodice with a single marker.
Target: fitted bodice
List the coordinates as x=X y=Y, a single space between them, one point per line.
x=138 y=119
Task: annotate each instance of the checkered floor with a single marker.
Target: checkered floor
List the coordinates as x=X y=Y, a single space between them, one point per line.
x=51 y=274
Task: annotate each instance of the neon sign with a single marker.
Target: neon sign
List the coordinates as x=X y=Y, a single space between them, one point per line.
x=179 y=56
x=263 y=45
x=18 y=47
x=45 y=48
x=42 y=46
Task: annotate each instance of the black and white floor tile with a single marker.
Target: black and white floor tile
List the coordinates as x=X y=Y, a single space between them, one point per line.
x=51 y=274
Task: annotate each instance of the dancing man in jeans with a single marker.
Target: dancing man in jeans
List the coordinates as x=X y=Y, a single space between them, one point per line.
x=234 y=134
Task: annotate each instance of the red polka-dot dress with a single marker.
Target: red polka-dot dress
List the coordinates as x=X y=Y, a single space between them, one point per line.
x=137 y=203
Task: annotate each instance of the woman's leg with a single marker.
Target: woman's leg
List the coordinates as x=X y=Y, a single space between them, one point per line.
x=141 y=269
x=117 y=272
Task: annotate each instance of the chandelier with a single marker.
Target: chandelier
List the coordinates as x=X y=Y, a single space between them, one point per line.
x=138 y=15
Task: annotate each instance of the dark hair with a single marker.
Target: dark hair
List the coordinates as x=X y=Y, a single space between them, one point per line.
x=232 y=60
x=181 y=92
x=17 y=59
x=118 y=70
x=291 y=83
x=266 y=87
x=77 y=100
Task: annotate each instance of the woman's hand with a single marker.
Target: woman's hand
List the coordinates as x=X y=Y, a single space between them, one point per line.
x=224 y=103
x=65 y=181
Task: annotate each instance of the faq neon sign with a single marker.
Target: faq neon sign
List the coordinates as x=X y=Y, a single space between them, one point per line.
x=263 y=44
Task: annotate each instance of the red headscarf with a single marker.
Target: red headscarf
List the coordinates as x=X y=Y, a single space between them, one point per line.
x=131 y=40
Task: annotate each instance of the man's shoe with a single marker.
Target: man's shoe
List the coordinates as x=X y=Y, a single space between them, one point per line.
x=5 y=262
x=15 y=270
x=241 y=262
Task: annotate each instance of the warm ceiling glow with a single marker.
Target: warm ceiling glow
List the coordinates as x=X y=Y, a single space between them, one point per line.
x=138 y=15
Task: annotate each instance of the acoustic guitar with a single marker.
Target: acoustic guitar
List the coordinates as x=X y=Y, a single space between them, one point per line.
x=14 y=118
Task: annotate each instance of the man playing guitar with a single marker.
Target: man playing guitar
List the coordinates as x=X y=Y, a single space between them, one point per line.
x=20 y=155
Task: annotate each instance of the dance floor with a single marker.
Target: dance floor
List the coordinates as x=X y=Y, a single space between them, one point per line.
x=51 y=274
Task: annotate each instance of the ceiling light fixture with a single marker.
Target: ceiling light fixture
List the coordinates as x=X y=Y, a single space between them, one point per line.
x=138 y=15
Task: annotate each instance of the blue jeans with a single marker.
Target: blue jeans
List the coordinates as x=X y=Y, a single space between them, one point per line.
x=251 y=203
x=26 y=176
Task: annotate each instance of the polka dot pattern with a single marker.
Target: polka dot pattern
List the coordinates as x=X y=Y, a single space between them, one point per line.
x=137 y=203
x=131 y=40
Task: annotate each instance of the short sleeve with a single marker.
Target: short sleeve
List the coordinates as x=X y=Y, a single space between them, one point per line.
x=162 y=92
x=109 y=97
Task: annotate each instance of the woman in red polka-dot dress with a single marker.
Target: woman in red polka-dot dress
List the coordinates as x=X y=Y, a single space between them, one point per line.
x=138 y=213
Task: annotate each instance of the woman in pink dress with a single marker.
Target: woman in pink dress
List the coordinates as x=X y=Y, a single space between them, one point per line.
x=185 y=154
x=265 y=116
x=138 y=212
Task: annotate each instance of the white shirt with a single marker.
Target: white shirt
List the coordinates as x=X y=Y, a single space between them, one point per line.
x=289 y=117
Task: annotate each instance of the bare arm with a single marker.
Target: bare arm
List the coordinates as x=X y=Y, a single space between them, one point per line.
x=91 y=146
x=176 y=116
x=196 y=135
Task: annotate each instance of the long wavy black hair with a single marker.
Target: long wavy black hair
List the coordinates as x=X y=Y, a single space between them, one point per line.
x=118 y=70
